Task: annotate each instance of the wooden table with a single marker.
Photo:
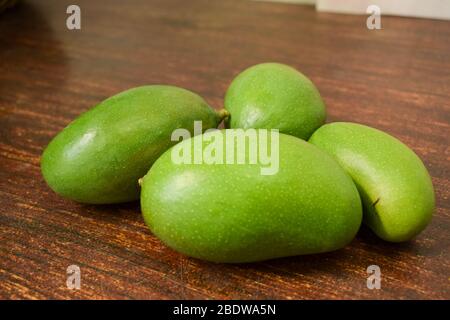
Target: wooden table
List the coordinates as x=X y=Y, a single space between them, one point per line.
x=396 y=79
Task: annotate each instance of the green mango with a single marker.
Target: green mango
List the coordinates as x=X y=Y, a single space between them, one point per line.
x=99 y=157
x=274 y=96
x=394 y=185
x=233 y=213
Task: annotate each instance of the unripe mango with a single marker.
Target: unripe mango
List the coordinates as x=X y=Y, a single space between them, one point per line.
x=99 y=157
x=274 y=96
x=394 y=185
x=233 y=213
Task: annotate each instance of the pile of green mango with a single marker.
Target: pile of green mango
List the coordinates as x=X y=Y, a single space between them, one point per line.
x=331 y=177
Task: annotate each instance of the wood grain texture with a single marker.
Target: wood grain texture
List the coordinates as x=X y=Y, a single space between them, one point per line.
x=396 y=79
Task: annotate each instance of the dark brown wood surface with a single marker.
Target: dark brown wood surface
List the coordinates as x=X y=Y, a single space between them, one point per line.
x=396 y=79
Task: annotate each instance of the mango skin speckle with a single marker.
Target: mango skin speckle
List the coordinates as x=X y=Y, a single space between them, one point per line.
x=394 y=185
x=99 y=157
x=275 y=96
x=233 y=214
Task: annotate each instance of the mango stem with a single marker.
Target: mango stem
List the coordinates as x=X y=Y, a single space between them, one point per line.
x=222 y=114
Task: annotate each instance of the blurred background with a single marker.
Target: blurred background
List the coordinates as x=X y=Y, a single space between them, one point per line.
x=433 y=9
